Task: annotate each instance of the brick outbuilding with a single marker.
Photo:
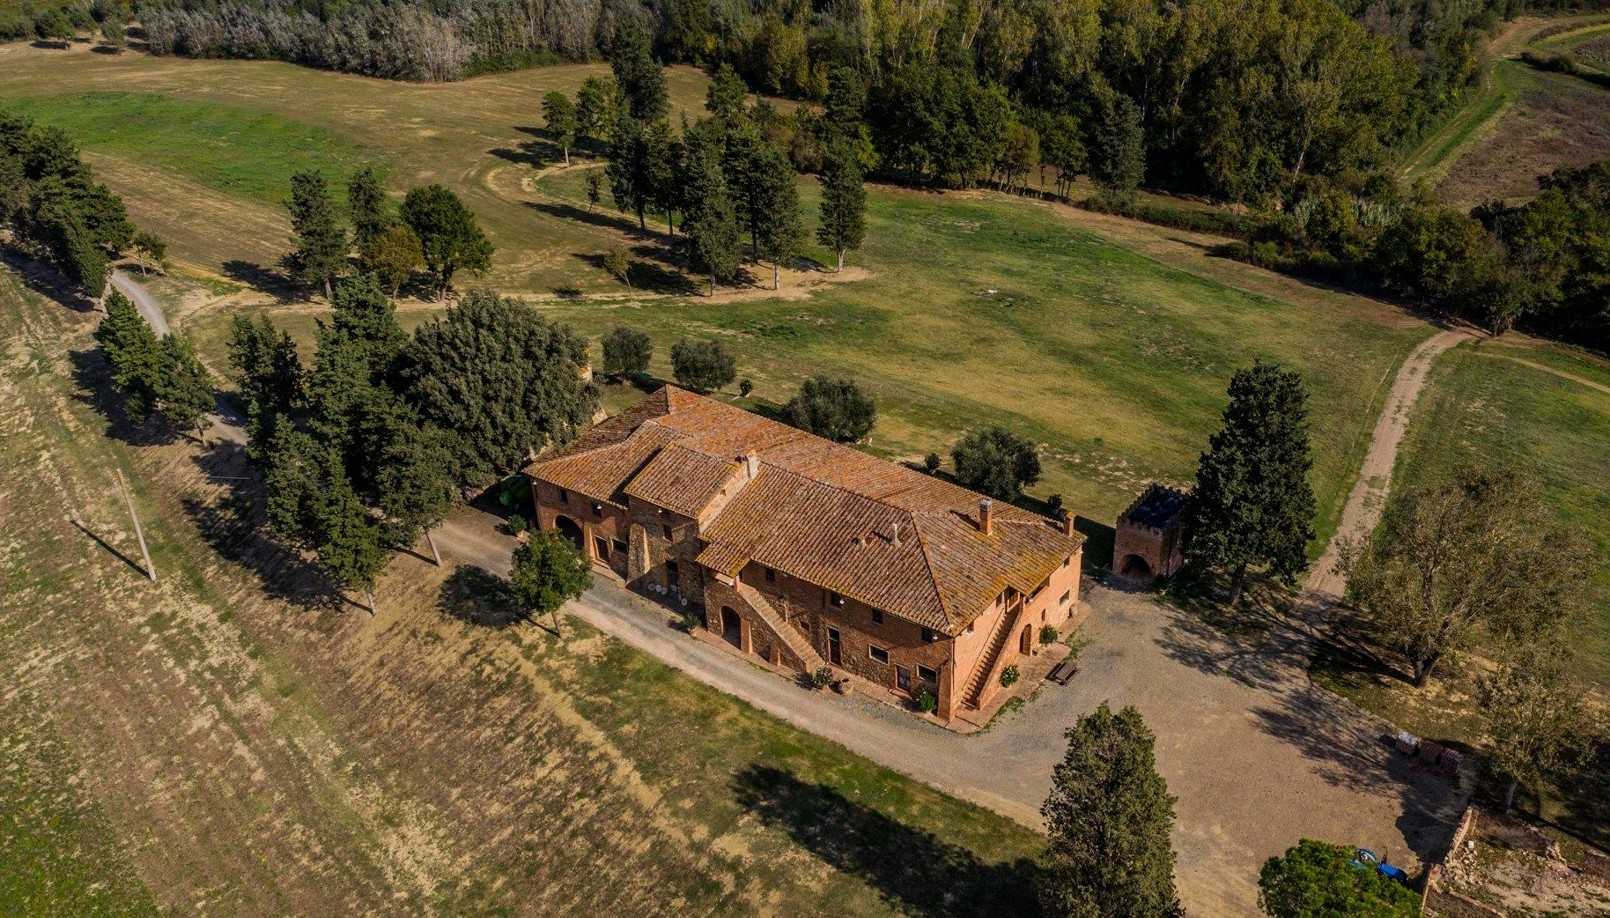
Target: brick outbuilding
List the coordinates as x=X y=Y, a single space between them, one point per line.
x=1149 y=541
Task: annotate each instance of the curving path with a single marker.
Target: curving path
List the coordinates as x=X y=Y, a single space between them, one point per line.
x=1367 y=500
x=142 y=300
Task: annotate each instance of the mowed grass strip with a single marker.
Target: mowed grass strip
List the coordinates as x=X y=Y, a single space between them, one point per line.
x=234 y=149
x=1481 y=407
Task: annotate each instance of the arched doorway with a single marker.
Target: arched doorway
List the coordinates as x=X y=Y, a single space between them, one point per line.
x=732 y=629
x=567 y=527
x=1025 y=641
x=1135 y=566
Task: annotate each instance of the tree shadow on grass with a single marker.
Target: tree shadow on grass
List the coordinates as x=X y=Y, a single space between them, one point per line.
x=93 y=381
x=914 y=871
x=478 y=596
x=266 y=280
x=235 y=526
x=650 y=270
x=44 y=279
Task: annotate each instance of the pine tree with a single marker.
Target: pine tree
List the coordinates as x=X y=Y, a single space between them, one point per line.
x=726 y=97
x=1316 y=878
x=641 y=81
x=133 y=353
x=843 y=217
x=1120 y=164
x=559 y=117
x=366 y=206
x=1108 y=817
x=415 y=486
x=779 y=229
x=312 y=505
x=184 y=389
x=628 y=168
x=270 y=378
x=1253 y=504
x=711 y=226
x=321 y=243
x=449 y=237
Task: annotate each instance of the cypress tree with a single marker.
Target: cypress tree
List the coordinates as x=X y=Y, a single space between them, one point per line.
x=779 y=229
x=641 y=81
x=184 y=390
x=321 y=243
x=843 y=216
x=366 y=205
x=1253 y=504
x=711 y=224
x=1108 y=817
x=133 y=353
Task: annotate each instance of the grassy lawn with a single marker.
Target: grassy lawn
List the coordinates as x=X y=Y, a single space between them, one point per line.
x=1482 y=406
x=246 y=152
x=242 y=742
x=978 y=308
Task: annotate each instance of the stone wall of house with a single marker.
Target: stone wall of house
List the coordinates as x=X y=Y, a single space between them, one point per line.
x=603 y=524
x=756 y=636
x=811 y=609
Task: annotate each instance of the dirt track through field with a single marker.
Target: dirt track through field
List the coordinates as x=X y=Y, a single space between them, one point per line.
x=1367 y=500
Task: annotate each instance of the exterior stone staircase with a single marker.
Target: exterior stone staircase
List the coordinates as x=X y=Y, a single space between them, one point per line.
x=788 y=634
x=985 y=670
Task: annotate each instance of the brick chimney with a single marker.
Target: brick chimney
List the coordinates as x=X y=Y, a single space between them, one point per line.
x=985 y=524
x=896 y=539
x=751 y=464
x=1067 y=523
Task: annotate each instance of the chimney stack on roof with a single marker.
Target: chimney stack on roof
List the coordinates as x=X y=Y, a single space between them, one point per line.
x=985 y=505
x=897 y=532
x=751 y=464
x=1067 y=523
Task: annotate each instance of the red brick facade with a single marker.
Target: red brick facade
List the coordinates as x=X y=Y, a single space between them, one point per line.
x=786 y=618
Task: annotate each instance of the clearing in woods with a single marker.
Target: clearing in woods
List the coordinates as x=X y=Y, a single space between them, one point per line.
x=228 y=741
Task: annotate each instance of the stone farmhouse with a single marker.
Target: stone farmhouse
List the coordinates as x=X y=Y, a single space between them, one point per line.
x=804 y=552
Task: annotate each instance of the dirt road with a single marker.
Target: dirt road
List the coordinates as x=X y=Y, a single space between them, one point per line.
x=1368 y=498
x=142 y=300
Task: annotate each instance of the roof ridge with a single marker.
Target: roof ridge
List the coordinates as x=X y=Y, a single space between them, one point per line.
x=933 y=576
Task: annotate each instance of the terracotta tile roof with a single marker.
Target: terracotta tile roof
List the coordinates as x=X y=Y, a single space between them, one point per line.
x=681 y=479
x=876 y=531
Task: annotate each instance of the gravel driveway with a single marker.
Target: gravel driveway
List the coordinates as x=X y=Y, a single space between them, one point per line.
x=1257 y=756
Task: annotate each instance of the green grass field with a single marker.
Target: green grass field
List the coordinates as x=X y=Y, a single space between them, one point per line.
x=1483 y=407
x=239 y=151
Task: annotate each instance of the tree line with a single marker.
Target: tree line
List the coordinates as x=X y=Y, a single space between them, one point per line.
x=723 y=176
x=67 y=21
x=1355 y=79
x=432 y=229
x=364 y=449
x=55 y=210
x=1536 y=264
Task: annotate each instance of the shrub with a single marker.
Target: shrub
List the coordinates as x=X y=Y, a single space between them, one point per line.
x=997 y=462
x=822 y=677
x=930 y=463
x=1048 y=634
x=745 y=387
x=702 y=365
x=833 y=408
x=626 y=352
x=517 y=524
x=618 y=264
x=926 y=702
x=1009 y=676
x=1054 y=504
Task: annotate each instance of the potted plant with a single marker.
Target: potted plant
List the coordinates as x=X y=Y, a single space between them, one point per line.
x=518 y=527
x=1008 y=676
x=822 y=678
x=842 y=686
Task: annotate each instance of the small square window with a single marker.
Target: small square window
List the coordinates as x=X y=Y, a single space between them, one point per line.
x=669 y=533
x=877 y=653
x=564 y=496
x=928 y=636
x=927 y=675
x=877 y=616
x=836 y=600
x=1067 y=595
x=771 y=575
x=620 y=546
